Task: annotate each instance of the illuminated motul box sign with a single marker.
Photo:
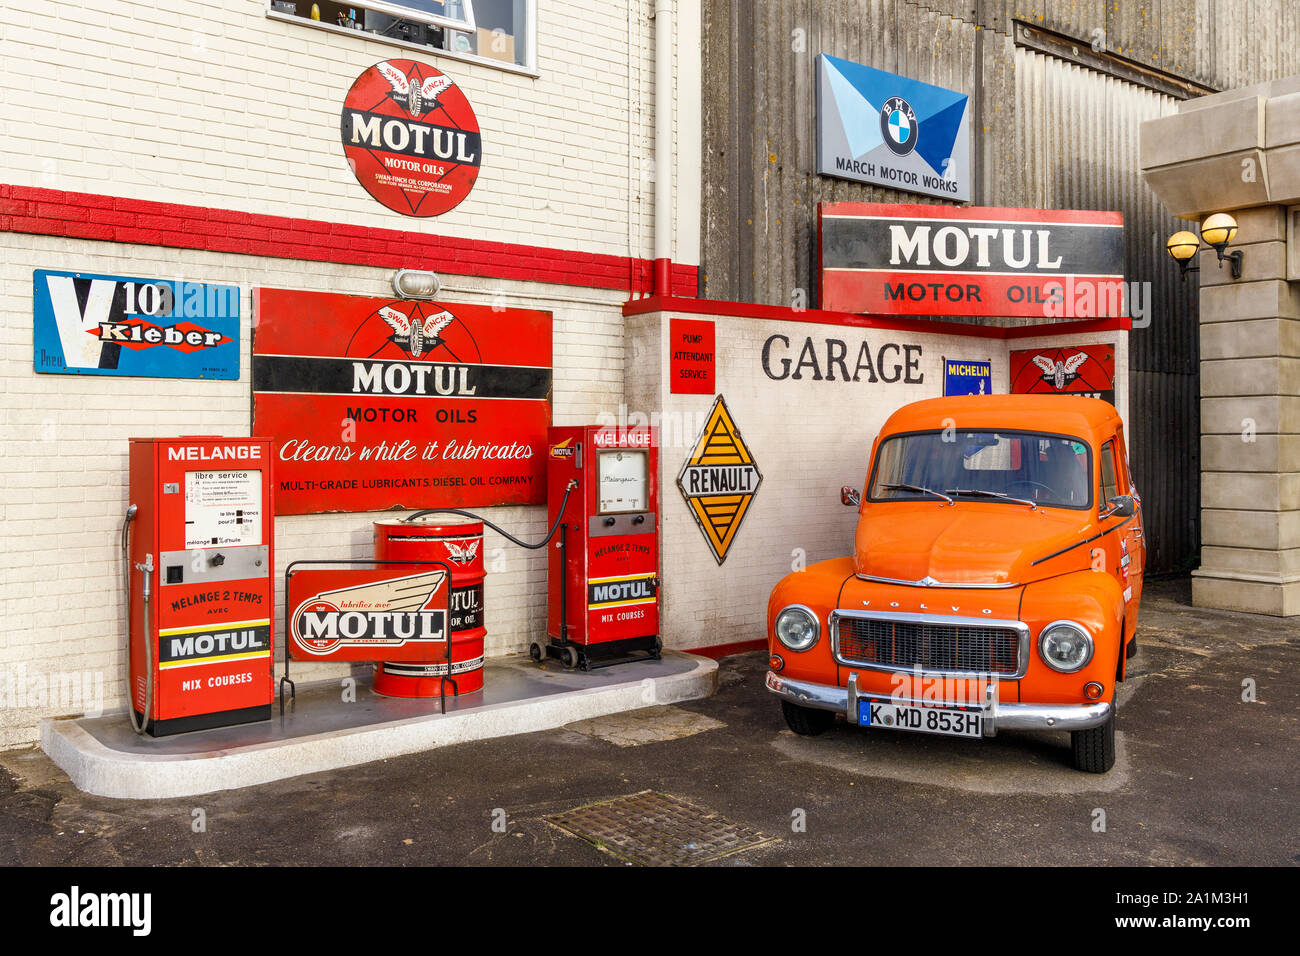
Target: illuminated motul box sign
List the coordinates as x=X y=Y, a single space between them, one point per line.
x=411 y=137
x=367 y=615
x=381 y=403
x=937 y=260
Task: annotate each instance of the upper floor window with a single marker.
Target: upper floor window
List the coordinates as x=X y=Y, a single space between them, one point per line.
x=498 y=32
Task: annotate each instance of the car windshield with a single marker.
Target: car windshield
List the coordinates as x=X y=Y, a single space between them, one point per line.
x=984 y=465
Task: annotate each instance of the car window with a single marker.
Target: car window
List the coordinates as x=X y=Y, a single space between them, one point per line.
x=1125 y=471
x=1109 y=488
x=1045 y=469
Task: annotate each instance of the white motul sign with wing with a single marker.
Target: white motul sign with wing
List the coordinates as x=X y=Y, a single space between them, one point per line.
x=359 y=621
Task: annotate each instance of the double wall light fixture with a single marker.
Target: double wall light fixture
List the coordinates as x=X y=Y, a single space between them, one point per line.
x=1217 y=231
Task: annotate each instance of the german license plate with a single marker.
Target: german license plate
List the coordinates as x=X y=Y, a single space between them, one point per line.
x=891 y=715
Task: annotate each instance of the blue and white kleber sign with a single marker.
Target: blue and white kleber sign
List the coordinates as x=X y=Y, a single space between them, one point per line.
x=114 y=325
x=961 y=377
x=878 y=127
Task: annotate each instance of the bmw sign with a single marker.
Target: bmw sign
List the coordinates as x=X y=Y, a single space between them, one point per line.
x=880 y=128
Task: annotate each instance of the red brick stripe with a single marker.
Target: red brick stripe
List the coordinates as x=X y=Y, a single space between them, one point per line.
x=52 y=212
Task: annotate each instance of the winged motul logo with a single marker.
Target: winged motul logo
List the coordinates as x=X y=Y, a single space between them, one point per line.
x=464 y=551
x=1060 y=373
x=419 y=96
x=375 y=618
x=1087 y=370
x=415 y=333
x=719 y=480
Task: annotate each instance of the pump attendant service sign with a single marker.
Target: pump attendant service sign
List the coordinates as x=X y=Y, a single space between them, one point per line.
x=88 y=324
x=411 y=137
x=380 y=403
x=877 y=127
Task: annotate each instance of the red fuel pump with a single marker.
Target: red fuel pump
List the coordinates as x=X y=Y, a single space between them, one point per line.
x=198 y=549
x=603 y=583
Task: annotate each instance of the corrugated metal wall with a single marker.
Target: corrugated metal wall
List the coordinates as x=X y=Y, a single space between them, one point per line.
x=1066 y=169
x=1047 y=134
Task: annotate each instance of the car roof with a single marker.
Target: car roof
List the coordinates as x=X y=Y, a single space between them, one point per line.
x=1061 y=414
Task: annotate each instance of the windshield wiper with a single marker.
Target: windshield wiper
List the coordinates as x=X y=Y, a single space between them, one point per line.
x=992 y=494
x=918 y=488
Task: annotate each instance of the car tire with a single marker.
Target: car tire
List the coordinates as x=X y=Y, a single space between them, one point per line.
x=806 y=721
x=1094 y=749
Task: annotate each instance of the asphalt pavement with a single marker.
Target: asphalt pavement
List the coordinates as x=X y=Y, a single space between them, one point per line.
x=1207 y=772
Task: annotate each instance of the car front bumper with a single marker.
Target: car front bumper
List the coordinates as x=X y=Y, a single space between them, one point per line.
x=997 y=716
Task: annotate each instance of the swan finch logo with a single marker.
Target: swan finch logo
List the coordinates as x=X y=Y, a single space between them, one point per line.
x=1087 y=370
x=411 y=138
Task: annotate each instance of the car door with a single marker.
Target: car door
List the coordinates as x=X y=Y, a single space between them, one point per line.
x=1127 y=557
x=1136 y=530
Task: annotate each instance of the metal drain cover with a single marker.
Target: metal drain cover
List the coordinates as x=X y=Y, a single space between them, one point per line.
x=658 y=829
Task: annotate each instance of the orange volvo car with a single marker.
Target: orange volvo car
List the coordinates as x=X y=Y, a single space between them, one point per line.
x=994 y=583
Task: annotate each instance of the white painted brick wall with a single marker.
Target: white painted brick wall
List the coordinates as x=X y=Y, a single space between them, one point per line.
x=808 y=439
x=63 y=460
x=223 y=106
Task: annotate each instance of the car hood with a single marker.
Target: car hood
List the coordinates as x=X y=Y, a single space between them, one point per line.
x=966 y=543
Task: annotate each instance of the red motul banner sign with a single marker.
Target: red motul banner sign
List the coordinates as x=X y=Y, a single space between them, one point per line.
x=1087 y=370
x=372 y=614
x=379 y=403
x=411 y=137
x=891 y=259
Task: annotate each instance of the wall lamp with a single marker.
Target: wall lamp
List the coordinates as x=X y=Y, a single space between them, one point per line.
x=1182 y=246
x=1217 y=230
x=415 y=284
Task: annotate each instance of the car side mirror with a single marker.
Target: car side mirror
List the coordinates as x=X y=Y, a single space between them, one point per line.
x=849 y=496
x=1121 y=505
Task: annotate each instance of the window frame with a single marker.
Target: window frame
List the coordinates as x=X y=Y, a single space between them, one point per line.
x=1104 y=454
x=530 y=35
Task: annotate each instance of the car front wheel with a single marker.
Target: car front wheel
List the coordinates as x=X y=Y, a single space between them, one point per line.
x=807 y=721
x=1094 y=748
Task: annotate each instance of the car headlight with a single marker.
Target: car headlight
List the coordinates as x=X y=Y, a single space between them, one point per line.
x=1065 y=646
x=797 y=627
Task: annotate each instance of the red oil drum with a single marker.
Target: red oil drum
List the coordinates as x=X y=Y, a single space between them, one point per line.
x=458 y=542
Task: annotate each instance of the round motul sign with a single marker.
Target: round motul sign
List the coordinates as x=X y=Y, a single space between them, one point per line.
x=411 y=137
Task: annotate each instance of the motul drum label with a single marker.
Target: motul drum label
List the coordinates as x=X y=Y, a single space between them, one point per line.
x=411 y=137
x=467 y=607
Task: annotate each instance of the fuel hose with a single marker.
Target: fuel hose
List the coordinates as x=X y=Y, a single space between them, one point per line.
x=147 y=570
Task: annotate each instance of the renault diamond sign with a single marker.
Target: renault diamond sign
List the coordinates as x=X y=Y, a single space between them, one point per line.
x=877 y=127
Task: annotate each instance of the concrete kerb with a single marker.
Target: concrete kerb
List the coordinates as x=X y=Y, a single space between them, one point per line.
x=101 y=770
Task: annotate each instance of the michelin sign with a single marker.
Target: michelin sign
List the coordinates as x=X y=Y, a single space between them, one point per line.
x=877 y=127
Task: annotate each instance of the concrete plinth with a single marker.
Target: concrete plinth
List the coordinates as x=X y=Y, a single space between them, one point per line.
x=323 y=730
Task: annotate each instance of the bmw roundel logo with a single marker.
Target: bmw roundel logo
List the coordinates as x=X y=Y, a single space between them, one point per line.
x=898 y=125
